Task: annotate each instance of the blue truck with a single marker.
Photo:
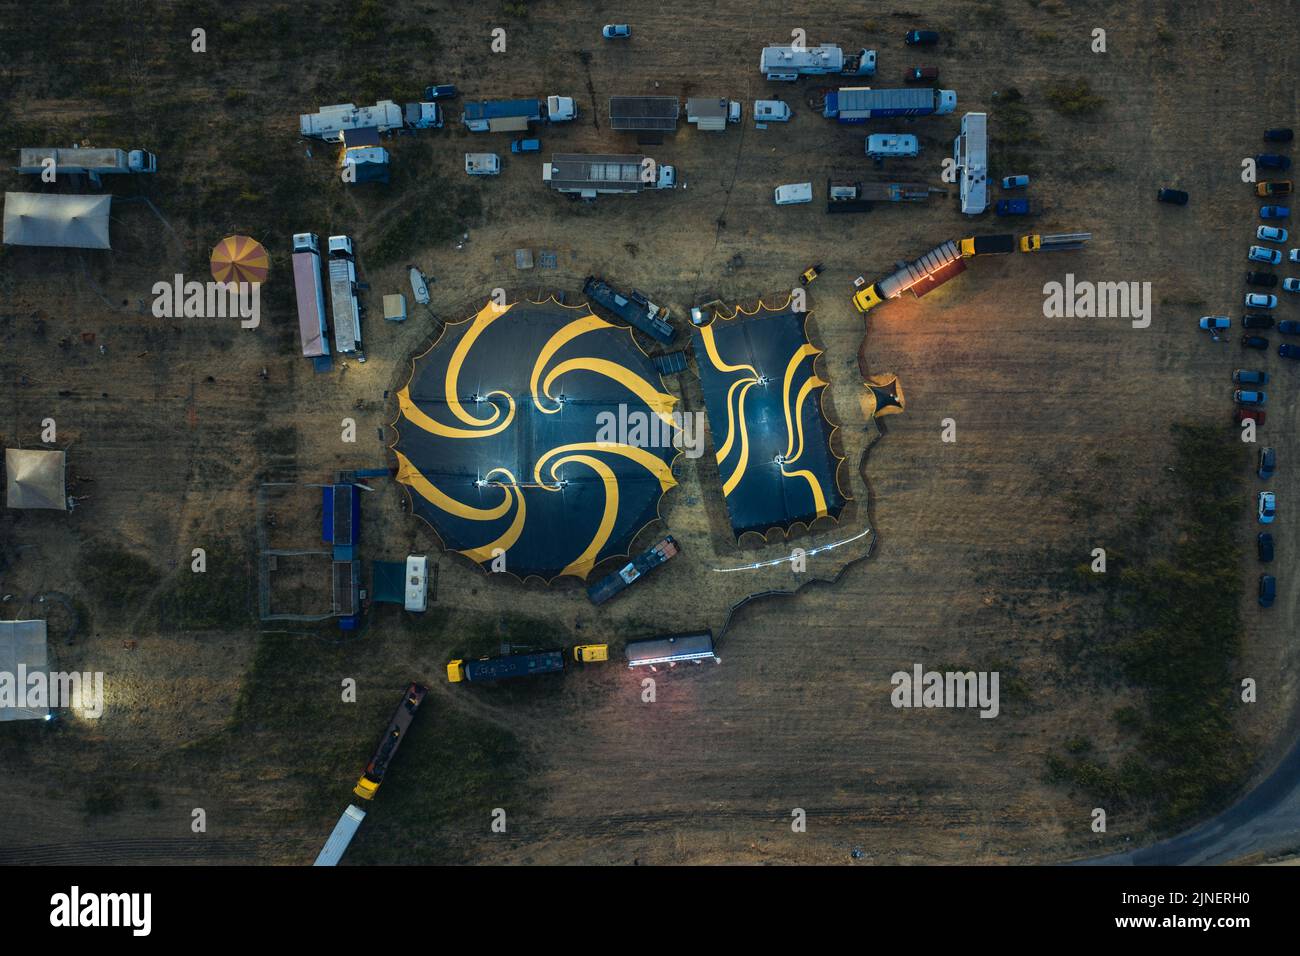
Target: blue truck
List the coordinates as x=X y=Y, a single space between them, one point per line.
x=496 y=116
x=505 y=666
x=857 y=104
x=635 y=309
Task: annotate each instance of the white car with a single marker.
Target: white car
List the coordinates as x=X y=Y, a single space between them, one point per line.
x=1271 y=234
x=1260 y=300
x=1294 y=255
x=1291 y=285
x=1267 y=507
x=792 y=193
x=1262 y=254
x=1215 y=322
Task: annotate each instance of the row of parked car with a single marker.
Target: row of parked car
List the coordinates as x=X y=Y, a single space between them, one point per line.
x=1267 y=510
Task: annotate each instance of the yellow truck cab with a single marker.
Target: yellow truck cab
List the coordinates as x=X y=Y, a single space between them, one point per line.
x=366 y=789
x=867 y=299
x=591 y=653
x=456 y=671
x=1031 y=243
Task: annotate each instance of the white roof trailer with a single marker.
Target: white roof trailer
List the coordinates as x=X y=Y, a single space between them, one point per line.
x=970 y=152
x=338 y=841
x=330 y=122
x=790 y=62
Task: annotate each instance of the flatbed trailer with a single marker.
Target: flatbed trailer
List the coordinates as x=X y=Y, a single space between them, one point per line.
x=398 y=725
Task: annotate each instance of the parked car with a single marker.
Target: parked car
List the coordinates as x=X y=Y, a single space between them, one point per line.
x=1175 y=197
x=1274 y=212
x=1272 y=161
x=1279 y=135
x=1256 y=320
x=1267 y=590
x=526 y=146
x=1267 y=507
x=921 y=74
x=1289 y=327
x=921 y=38
x=1257 y=342
x=1294 y=255
x=1264 y=547
x=1271 y=234
x=1211 y=322
x=443 y=91
x=1260 y=300
x=1262 y=254
x=1249 y=376
x=1265 y=279
x=1267 y=463
x=792 y=193
x=1287 y=350
x=1015 y=182
x=1256 y=415
x=1012 y=207
x=1243 y=397
x=616 y=31
x=1290 y=284
x=1280 y=188
x=733 y=111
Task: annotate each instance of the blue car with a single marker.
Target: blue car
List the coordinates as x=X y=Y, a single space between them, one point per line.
x=616 y=31
x=1267 y=507
x=1013 y=207
x=1274 y=212
x=1250 y=376
x=1272 y=161
x=1015 y=182
x=1267 y=590
x=526 y=146
x=1289 y=327
x=446 y=91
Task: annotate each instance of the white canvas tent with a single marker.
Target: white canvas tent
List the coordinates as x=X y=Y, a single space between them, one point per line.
x=35 y=478
x=22 y=643
x=48 y=219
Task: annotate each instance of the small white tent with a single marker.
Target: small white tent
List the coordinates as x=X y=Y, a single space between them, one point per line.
x=35 y=478
x=49 y=219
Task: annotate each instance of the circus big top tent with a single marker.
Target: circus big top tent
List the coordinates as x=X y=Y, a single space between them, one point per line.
x=504 y=445
x=772 y=442
x=49 y=219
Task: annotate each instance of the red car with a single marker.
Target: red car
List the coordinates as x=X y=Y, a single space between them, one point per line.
x=1241 y=414
x=921 y=74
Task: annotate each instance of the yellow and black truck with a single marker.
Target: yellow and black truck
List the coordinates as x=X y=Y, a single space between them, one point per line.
x=373 y=776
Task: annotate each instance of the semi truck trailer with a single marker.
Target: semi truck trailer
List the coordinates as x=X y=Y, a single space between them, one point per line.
x=343 y=294
x=398 y=726
x=636 y=309
x=931 y=270
x=310 y=294
x=857 y=104
x=505 y=666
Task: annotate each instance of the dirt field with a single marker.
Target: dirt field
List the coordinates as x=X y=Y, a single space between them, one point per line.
x=1062 y=434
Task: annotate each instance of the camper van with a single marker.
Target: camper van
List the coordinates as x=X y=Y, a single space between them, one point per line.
x=882 y=145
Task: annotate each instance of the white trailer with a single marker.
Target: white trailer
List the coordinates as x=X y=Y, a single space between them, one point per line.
x=417 y=582
x=338 y=841
x=970 y=153
x=482 y=164
x=330 y=121
x=788 y=63
x=33 y=161
x=343 y=295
